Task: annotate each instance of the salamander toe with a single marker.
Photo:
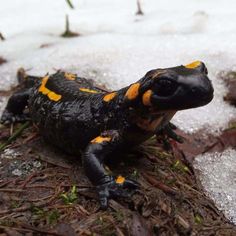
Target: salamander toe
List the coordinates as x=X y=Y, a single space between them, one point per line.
x=116 y=188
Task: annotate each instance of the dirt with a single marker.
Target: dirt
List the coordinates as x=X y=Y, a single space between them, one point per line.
x=229 y=79
x=2 y=60
x=37 y=194
x=45 y=192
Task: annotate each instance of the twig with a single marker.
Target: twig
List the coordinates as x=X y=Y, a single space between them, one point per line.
x=5 y=183
x=68 y=33
x=42 y=231
x=78 y=186
x=39 y=199
x=70 y=4
x=30 y=138
x=63 y=185
x=16 y=134
x=28 y=179
x=81 y=209
x=28 y=207
x=183 y=222
x=118 y=230
x=10 y=216
x=189 y=188
x=1 y=37
x=39 y=186
x=139 y=11
x=11 y=190
x=28 y=229
x=159 y=185
x=15 y=228
x=49 y=160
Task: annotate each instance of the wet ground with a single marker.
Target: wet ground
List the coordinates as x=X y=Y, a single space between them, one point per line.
x=45 y=192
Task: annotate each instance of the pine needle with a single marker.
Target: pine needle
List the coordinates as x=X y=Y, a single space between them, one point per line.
x=16 y=134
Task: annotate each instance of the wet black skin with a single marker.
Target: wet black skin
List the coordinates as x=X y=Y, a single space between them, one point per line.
x=79 y=117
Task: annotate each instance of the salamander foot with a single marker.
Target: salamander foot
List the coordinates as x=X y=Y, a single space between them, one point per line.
x=119 y=187
x=9 y=118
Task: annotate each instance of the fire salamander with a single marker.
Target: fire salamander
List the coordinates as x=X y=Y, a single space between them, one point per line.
x=78 y=117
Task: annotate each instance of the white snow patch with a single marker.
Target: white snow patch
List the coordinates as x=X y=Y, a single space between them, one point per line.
x=217 y=173
x=9 y=154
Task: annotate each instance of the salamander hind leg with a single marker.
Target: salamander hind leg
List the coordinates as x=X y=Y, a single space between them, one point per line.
x=14 y=111
x=93 y=157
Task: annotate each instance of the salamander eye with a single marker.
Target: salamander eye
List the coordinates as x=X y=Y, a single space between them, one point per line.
x=164 y=87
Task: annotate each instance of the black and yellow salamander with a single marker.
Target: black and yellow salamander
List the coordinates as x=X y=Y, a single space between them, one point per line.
x=75 y=115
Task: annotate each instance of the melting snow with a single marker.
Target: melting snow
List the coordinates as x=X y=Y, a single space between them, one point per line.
x=117 y=48
x=219 y=180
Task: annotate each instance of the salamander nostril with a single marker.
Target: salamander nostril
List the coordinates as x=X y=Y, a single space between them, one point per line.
x=204 y=70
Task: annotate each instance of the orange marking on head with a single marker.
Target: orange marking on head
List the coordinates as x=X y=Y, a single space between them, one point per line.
x=147 y=98
x=132 y=91
x=101 y=139
x=193 y=65
x=108 y=97
x=88 y=90
x=70 y=76
x=120 y=179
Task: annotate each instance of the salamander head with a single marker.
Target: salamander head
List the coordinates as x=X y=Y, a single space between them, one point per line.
x=176 y=88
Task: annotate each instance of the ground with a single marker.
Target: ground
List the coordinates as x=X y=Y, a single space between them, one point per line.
x=45 y=192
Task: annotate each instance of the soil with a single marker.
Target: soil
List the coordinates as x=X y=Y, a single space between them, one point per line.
x=2 y=60
x=45 y=192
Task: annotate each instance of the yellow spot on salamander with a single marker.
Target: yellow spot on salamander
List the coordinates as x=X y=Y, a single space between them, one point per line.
x=70 y=76
x=101 y=139
x=147 y=98
x=109 y=97
x=132 y=92
x=120 y=179
x=44 y=81
x=193 y=65
x=88 y=90
x=54 y=97
x=45 y=91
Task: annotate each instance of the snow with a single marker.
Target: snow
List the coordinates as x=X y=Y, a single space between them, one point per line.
x=17 y=166
x=219 y=180
x=117 y=47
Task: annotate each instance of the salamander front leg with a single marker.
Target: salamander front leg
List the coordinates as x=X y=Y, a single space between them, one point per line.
x=93 y=158
x=15 y=107
x=168 y=130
